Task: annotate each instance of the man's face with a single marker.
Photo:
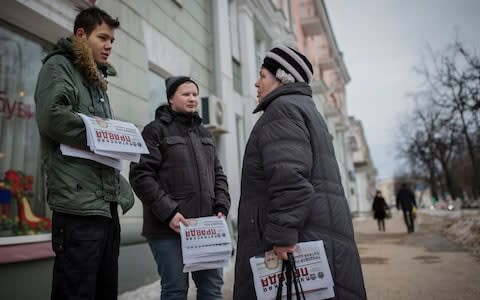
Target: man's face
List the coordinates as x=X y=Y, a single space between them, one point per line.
x=265 y=84
x=185 y=98
x=100 y=40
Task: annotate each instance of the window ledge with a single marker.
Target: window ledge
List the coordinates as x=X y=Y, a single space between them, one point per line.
x=25 y=252
x=25 y=239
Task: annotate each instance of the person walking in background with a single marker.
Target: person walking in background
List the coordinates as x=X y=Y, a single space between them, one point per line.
x=82 y=194
x=291 y=188
x=380 y=209
x=405 y=200
x=181 y=178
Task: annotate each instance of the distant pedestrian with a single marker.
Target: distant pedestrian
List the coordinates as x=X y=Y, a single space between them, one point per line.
x=380 y=209
x=406 y=201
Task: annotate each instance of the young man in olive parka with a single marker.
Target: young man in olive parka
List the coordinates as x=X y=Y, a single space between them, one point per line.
x=82 y=194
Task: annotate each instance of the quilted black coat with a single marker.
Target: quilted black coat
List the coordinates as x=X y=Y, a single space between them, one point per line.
x=180 y=174
x=291 y=191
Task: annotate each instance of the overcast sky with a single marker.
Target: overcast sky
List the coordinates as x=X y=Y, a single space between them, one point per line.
x=382 y=41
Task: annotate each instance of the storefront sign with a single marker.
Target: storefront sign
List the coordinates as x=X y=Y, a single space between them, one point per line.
x=16 y=108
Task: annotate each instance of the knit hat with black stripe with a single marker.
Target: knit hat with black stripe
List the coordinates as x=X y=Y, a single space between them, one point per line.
x=290 y=61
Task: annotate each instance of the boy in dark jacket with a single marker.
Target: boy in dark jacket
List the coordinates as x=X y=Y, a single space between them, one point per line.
x=82 y=194
x=181 y=178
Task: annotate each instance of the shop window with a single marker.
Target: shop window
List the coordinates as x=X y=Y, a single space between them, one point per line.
x=22 y=194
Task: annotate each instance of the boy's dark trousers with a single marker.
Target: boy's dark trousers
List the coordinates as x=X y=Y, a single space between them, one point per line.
x=409 y=220
x=86 y=262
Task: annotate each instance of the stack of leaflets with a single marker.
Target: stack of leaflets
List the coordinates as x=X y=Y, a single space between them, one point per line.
x=110 y=142
x=313 y=273
x=206 y=244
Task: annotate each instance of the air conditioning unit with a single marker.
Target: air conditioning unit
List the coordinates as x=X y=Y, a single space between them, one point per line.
x=212 y=114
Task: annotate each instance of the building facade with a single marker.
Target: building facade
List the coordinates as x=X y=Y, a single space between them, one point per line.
x=316 y=39
x=220 y=44
x=365 y=171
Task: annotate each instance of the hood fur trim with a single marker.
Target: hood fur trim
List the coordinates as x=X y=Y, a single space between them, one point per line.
x=84 y=59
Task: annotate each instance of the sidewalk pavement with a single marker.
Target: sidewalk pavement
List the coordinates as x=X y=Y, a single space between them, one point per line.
x=422 y=265
x=396 y=265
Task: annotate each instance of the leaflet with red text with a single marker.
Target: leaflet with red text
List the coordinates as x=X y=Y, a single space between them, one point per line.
x=313 y=272
x=206 y=243
x=113 y=138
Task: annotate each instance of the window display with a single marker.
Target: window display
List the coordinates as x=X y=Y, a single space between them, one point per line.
x=22 y=194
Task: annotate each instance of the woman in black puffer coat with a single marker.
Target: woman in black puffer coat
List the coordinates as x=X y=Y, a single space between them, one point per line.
x=291 y=188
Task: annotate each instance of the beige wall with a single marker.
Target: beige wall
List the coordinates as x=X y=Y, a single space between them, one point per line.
x=187 y=27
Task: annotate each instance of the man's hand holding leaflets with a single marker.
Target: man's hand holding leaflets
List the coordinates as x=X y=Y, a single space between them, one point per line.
x=110 y=141
x=206 y=243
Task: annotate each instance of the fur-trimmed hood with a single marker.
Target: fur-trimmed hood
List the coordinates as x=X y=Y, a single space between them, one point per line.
x=75 y=49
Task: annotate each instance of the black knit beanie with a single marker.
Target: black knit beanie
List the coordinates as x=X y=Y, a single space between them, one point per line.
x=173 y=82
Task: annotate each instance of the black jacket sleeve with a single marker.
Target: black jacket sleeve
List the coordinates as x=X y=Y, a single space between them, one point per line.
x=144 y=180
x=222 y=197
x=287 y=160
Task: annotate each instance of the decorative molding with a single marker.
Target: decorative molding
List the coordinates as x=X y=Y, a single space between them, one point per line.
x=337 y=55
x=179 y=3
x=49 y=20
x=163 y=53
x=272 y=20
x=319 y=87
x=83 y=3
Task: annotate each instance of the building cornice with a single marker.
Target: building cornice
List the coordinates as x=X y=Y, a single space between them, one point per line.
x=271 y=19
x=356 y=125
x=319 y=87
x=337 y=54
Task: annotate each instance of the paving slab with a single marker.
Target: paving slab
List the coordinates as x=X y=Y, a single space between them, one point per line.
x=396 y=265
x=421 y=265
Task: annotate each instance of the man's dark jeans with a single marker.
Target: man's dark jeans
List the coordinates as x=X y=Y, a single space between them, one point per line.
x=409 y=220
x=86 y=262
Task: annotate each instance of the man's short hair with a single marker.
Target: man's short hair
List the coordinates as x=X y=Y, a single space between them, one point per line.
x=91 y=17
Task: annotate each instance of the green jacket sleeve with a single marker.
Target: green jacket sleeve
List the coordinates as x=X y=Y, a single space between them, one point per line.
x=55 y=95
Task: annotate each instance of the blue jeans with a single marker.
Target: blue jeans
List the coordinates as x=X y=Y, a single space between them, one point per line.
x=168 y=255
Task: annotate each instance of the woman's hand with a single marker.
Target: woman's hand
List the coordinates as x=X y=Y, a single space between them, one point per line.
x=282 y=251
x=175 y=222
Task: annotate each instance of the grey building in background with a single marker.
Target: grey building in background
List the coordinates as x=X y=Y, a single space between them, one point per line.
x=219 y=43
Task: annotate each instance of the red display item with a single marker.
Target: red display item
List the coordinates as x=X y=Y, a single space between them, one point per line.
x=26 y=216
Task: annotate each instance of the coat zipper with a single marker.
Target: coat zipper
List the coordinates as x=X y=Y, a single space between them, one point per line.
x=192 y=148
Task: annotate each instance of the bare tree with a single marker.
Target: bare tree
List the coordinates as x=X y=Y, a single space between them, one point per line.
x=414 y=147
x=452 y=78
x=442 y=138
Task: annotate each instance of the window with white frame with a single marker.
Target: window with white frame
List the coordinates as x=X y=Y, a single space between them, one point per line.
x=22 y=193
x=234 y=35
x=235 y=46
x=157 y=95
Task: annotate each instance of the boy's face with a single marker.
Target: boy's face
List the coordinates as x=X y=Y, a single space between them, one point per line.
x=185 y=98
x=100 y=40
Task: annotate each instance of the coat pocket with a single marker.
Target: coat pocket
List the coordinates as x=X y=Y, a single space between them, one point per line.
x=175 y=151
x=209 y=149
